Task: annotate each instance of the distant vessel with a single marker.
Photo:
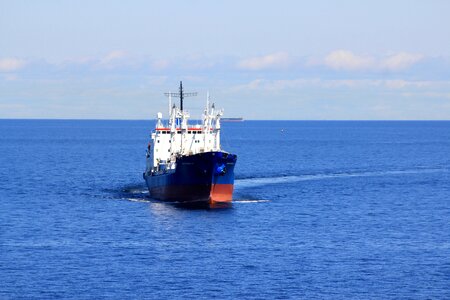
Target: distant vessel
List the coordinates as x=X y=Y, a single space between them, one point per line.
x=185 y=163
x=232 y=119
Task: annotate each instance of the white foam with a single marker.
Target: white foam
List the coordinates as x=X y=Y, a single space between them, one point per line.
x=137 y=200
x=250 y=201
x=253 y=182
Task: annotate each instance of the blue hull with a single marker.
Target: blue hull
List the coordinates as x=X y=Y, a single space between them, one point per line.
x=203 y=177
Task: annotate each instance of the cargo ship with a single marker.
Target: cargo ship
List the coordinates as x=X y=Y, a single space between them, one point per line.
x=240 y=119
x=185 y=163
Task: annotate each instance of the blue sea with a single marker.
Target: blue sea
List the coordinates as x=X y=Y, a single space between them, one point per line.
x=322 y=210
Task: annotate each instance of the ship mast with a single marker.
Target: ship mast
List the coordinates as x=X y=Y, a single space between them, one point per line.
x=180 y=116
x=181 y=94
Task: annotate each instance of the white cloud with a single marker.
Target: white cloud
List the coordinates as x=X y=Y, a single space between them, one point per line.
x=11 y=64
x=84 y=60
x=160 y=64
x=112 y=56
x=346 y=60
x=302 y=83
x=157 y=80
x=246 y=86
x=274 y=60
x=396 y=83
x=422 y=95
x=400 y=61
x=10 y=77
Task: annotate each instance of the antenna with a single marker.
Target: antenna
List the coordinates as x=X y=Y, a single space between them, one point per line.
x=180 y=95
x=207 y=102
x=170 y=104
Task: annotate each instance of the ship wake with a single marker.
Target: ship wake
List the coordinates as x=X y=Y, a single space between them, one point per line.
x=135 y=193
x=139 y=193
x=260 y=181
x=250 y=201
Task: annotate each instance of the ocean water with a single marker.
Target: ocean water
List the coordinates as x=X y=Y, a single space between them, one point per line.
x=322 y=210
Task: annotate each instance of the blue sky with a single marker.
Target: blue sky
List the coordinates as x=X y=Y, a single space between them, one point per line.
x=259 y=59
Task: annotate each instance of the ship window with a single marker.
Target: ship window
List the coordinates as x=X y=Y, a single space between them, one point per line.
x=189 y=132
x=158 y=141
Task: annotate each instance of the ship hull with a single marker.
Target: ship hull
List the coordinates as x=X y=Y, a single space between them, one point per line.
x=203 y=178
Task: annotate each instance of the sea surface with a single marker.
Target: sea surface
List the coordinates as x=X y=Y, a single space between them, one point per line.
x=322 y=210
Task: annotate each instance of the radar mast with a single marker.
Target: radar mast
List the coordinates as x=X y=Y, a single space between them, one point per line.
x=181 y=94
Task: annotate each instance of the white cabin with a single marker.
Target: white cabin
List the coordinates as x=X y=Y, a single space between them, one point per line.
x=178 y=138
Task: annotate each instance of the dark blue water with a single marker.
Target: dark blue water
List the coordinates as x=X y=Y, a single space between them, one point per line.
x=331 y=210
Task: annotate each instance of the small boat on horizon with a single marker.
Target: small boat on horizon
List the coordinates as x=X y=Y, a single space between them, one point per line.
x=239 y=119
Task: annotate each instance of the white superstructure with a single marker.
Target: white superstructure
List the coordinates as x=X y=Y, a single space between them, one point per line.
x=177 y=138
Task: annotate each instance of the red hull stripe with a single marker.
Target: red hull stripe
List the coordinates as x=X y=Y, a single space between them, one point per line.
x=221 y=192
x=193 y=129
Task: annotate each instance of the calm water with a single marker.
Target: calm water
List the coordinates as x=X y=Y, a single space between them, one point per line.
x=323 y=210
